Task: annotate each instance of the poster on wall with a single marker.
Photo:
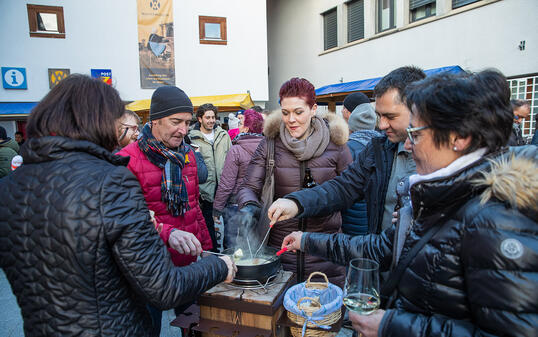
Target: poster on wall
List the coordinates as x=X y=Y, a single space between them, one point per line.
x=156 y=43
x=104 y=75
x=56 y=75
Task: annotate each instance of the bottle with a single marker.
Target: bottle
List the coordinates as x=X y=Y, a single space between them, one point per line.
x=308 y=181
x=16 y=162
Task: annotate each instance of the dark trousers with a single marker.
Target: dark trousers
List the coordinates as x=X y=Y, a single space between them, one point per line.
x=156 y=318
x=207 y=211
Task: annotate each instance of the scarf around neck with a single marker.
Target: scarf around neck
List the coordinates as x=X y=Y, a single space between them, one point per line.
x=313 y=145
x=173 y=189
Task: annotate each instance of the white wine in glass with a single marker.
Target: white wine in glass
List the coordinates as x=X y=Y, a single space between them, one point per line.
x=361 y=293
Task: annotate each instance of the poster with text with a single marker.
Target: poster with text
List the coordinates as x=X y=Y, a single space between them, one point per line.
x=104 y=75
x=156 y=43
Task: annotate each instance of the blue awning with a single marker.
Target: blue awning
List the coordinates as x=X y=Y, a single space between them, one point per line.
x=15 y=109
x=369 y=84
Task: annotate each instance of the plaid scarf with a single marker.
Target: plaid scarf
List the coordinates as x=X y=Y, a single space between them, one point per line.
x=173 y=189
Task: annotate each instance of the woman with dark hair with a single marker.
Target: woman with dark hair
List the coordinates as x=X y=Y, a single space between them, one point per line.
x=309 y=149
x=466 y=265
x=235 y=169
x=78 y=246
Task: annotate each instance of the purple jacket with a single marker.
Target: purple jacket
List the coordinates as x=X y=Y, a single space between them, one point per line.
x=235 y=169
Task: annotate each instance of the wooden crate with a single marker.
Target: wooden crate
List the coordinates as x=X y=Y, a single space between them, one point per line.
x=225 y=311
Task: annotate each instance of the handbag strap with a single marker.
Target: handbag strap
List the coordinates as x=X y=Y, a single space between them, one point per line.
x=396 y=275
x=270 y=160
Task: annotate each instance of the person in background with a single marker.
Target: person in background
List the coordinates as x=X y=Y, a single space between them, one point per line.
x=128 y=130
x=19 y=138
x=351 y=102
x=380 y=167
x=474 y=220
x=95 y=258
x=361 y=123
x=8 y=149
x=522 y=110
x=308 y=149
x=213 y=143
x=233 y=125
x=234 y=172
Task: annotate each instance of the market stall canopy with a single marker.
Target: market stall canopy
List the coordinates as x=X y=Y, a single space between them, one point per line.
x=16 y=109
x=225 y=103
x=333 y=93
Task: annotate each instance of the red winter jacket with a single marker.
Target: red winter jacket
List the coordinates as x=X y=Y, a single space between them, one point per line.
x=149 y=177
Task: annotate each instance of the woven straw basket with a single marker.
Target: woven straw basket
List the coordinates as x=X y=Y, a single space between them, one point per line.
x=310 y=305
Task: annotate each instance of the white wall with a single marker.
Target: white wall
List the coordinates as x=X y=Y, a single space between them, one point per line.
x=103 y=34
x=483 y=37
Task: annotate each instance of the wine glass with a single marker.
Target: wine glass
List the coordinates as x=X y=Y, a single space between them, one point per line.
x=361 y=292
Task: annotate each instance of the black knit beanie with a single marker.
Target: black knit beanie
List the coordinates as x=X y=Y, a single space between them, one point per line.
x=169 y=100
x=353 y=100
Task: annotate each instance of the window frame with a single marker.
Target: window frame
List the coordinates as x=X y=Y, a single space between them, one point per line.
x=392 y=19
x=349 y=4
x=428 y=10
x=33 y=10
x=202 y=20
x=324 y=19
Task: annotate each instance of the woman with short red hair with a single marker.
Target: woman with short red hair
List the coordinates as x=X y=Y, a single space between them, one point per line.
x=305 y=143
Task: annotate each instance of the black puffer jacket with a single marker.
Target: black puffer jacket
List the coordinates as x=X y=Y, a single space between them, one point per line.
x=478 y=274
x=79 y=249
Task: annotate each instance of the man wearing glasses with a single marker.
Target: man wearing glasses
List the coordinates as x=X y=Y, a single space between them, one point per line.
x=378 y=170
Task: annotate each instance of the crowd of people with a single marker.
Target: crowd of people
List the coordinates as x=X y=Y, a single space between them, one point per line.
x=109 y=219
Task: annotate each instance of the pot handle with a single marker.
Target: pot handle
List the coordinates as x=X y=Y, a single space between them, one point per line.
x=309 y=283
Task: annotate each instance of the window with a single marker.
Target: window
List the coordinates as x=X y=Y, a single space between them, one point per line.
x=421 y=9
x=460 y=3
x=212 y=30
x=46 y=21
x=386 y=15
x=526 y=88
x=355 y=20
x=330 y=39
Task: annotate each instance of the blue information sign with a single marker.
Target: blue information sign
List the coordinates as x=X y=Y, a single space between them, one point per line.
x=14 y=78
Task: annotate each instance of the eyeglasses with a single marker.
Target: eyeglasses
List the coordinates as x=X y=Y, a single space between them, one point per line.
x=133 y=128
x=411 y=130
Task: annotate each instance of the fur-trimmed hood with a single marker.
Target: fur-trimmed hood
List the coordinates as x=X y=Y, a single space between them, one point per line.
x=512 y=179
x=337 y=126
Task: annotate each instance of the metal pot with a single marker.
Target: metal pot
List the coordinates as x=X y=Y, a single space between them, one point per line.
x=256 y=272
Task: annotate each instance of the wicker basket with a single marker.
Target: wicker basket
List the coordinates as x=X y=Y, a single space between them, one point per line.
x=310 y=307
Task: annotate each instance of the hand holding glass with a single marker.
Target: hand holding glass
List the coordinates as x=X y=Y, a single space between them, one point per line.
x=361 y=293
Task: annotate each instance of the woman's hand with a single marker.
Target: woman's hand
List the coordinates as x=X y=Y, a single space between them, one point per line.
x=367 y=325
x=185 y=243
x=292 y=241
x=232 y=268
x=282 y=209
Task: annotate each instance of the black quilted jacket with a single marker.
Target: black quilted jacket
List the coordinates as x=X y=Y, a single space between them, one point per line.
x=78 y=247
x=478 y=275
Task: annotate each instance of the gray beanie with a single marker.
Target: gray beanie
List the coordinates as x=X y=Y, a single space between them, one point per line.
x=362 y=118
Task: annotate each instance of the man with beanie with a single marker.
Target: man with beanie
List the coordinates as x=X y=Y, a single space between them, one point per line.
x=214 y=143
x=361 y=123
x=351 y=102
x=8 y=149
x=165 y=166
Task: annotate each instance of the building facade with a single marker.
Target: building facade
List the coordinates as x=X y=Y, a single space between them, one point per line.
x=335 y=41
x=220 y=47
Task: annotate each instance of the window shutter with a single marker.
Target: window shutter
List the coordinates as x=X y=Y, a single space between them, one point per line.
x=413 y=4
x=355 y=20
x=329 y=28
x=459 y=3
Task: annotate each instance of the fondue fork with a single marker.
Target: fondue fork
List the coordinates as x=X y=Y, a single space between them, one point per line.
x=214 y=253
x=264 y=240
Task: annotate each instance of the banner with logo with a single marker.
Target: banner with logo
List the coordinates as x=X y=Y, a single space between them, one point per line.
x=104 y=75
x=156 y=43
